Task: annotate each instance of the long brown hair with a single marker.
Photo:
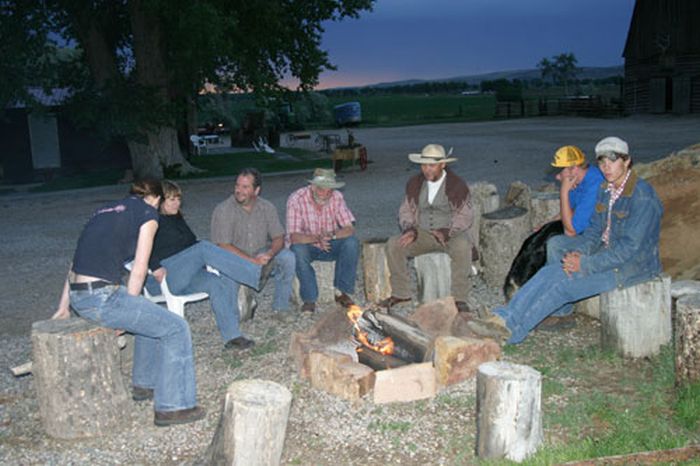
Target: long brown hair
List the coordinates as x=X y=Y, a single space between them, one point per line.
x=146 y=187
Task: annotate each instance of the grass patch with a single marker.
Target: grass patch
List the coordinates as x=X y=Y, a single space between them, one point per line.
x=687 y=406
x=397 y=110
x=389 y=426
x=230 y=164
x=266 y=348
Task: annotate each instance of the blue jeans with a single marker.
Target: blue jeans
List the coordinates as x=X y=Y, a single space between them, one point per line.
x=283 y=267
x=345 y=252
x=163 y=345
x=550 y=291
x=187 y=274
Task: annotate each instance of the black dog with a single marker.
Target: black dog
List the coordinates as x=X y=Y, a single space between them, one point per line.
x=531 y=257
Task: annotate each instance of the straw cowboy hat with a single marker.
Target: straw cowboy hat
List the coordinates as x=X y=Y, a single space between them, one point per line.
x=432 y=153
x=325 y=178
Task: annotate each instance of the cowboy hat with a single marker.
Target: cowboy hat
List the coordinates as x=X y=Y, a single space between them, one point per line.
x=325 y=178
x=432 y=153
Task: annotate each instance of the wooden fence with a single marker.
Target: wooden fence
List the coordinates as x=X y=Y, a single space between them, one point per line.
x=593 y=106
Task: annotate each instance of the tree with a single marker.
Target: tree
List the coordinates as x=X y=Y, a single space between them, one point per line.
x=141 y=63
x=561 y=69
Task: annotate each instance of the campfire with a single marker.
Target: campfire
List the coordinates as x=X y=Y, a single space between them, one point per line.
x=386 y=341
x=353 y=352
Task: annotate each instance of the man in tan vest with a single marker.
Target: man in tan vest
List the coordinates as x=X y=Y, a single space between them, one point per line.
x=436 y=216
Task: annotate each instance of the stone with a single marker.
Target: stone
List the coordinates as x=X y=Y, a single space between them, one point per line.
x=406 y=383
x=457 y=359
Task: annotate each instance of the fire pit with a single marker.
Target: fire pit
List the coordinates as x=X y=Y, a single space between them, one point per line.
x=397 y=358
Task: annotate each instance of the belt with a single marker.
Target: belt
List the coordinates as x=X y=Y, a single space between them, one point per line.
x=89 y=286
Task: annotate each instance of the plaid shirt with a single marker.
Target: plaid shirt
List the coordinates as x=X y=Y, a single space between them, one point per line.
x=307 y=217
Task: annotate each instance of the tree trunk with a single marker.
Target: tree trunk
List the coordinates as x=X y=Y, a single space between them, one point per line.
x=252 y=426
x=162 y=148
x=79 y=383
x=509 y=411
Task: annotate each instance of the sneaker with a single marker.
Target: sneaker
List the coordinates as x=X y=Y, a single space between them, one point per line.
x=141 y=393
x=239 y=343
x=344 y=300
x=555 y=323
x=491 y=327
x=309 y=308
x=181 y=416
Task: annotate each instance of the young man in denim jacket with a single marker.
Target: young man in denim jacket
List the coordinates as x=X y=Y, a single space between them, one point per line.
x=620 y=248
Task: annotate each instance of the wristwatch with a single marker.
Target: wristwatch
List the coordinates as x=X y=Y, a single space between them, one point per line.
x=334 y=236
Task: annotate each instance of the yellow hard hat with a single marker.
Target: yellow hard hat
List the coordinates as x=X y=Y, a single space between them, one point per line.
x=568 y=156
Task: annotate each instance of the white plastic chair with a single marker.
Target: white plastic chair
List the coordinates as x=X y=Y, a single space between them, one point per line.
x=174 y=303
x=199 y=144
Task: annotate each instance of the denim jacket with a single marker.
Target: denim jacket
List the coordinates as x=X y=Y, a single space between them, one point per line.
x=633 y=251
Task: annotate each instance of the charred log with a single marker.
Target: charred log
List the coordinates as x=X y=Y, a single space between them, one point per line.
x=377 y=361
x=406 y=334
x=376 y=337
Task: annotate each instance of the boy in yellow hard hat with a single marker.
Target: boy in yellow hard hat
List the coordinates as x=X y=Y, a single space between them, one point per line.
x=579 y=185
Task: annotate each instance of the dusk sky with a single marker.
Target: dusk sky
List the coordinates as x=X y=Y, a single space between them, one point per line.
x=425 y=39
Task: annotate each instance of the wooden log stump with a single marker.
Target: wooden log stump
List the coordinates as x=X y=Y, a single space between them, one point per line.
x=252 y=426
x=509 y=412
x=544 y=207
x=78 y=378
x=247 y=302
x=485 y=199
x=636 y=321
x=324 y=279
x=375 y=270
x=502 y=233
x=687 y=339
x=519 y=195
x=433 y=276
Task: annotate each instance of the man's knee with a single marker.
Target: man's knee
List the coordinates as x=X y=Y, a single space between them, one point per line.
x=351 y=245
x=301 y=252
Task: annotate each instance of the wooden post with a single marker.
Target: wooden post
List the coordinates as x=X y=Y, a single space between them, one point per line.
x=502 y=233
x=375 y=270
x=78 y=378
x=636 y=321
x=247 y=302
x=509 y=412
x=687 y=339
x=433 y=276
x=324 y=279
x=252 y=426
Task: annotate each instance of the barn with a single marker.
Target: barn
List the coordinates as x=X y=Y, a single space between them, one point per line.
x=662 y=57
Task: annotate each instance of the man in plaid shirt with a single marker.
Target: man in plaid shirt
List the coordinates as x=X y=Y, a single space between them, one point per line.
x=320 y=227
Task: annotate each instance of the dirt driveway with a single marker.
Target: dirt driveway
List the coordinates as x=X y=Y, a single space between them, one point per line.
x=39 y=231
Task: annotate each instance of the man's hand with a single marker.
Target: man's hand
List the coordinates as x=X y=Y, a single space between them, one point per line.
x=567 y=183
x=571 y=262
x=323 y=242
x=439 y=236
x=407 y=238
x=263 y=258
x=159 y=274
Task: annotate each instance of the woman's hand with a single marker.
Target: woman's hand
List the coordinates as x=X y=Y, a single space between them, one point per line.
x=159 y=274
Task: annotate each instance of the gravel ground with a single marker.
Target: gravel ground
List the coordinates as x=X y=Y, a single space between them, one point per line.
x=38 y=237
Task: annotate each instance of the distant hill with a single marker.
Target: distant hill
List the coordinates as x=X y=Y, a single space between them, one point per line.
x=586 y=72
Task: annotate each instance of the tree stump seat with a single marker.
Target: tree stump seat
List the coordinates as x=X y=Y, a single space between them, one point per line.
x=509 y=410
x=433 y=276
x=636 y=321
x=79 y=384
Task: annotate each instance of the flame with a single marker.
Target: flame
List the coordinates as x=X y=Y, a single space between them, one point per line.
x=384 y=346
